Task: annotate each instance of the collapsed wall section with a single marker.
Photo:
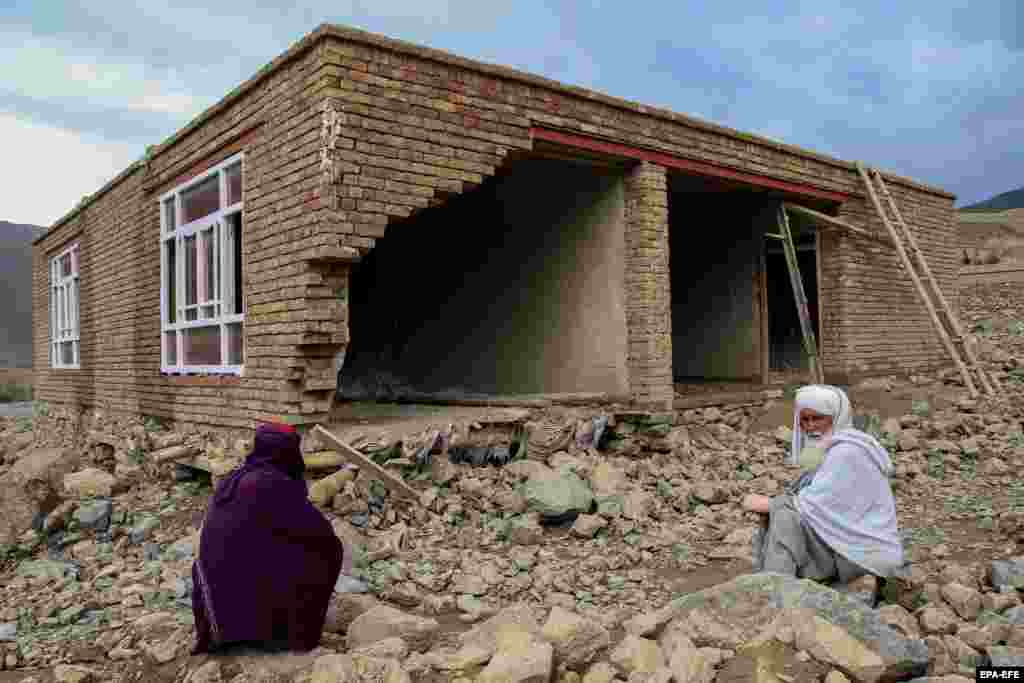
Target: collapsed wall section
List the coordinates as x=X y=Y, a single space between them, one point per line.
x=523 y=295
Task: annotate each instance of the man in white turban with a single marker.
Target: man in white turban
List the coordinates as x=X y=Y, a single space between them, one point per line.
x=837 y=521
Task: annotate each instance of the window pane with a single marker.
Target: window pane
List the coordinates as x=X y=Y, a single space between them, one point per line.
x=208 y=252
x=171 y=354
x=202 y=345
x=192 y=314
x=235 y=354
x=169 y=279
x=234 y=178
x=67 y=353
x=200 y=200
x=74 y=305
x=235 y=262
x=190 y=270
x=169 y=217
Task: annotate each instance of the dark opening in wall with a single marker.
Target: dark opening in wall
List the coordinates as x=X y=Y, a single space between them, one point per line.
x=513 y=288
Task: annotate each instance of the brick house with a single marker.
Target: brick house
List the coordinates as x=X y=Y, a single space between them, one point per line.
x=404 y=213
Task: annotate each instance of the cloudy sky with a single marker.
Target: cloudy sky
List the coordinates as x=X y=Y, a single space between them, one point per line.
x=927 y=88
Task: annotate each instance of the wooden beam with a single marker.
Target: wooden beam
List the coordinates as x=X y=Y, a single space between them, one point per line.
x=683 y=164
x=392 y=483
x=828 y=222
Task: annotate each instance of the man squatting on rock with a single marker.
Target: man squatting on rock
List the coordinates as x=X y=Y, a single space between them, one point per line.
x=837 y=521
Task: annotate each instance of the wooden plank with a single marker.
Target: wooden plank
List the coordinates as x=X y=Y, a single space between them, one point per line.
x=392 y=483
x=834 y=223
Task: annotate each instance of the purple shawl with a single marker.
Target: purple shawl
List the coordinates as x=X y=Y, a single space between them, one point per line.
x=268 y=559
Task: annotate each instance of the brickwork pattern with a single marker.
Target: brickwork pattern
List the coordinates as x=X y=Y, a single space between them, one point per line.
x=415 y=127
x=648 y=290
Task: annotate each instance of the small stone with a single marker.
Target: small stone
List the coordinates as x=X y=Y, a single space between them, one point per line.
x=965 y=601
x=836 y=676
x=90 y=482
x=900 y=619
x=588 y=525
x=602 y=672
x=635 y=654
x=385 y=622
x=94 y=515
x=207 y=673
x=937 y=620
x=576 y=640
x=66 y=673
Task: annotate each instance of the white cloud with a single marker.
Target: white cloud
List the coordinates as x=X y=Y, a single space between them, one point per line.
x=53 y=70
x=53 y=169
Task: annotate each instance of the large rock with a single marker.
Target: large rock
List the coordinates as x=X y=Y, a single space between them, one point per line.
x=31 y=486
x=89 y=482
x=387 y=622
x=574 y=638
x=637 y=655
x=608 y=480
x=1006 y=656
x=484 y=636
x=825 y=642
x=354 y=668
x=732 y=614
x=1007 y=572
x=966 y=602
x=558 y=495
x=520 y=657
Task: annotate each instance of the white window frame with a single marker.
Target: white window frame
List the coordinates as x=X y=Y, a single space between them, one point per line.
x=65 y=292
x=217 y=222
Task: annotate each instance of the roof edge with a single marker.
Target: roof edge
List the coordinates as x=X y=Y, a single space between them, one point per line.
x=396 y=45
x=310 y=40
x=297 y=49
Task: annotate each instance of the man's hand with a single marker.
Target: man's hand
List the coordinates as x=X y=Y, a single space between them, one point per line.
x=755 y=503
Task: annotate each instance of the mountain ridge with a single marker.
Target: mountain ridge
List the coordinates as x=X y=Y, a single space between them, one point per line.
x=16 y=293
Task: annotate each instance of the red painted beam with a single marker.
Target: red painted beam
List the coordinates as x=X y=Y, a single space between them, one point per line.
x=689 y=165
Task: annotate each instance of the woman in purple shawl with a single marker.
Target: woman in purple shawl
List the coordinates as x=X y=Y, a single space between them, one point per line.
x=268 y=560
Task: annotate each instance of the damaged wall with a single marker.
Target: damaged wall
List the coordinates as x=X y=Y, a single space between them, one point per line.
x=715 y=243
x=524 y=294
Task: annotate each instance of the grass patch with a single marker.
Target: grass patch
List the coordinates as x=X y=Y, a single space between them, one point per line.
x=925 y=536
x=920 y=408
x=983 y=327
x=11 y=392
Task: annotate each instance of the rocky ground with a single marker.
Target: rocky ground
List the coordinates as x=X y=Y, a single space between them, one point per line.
x=591 y=545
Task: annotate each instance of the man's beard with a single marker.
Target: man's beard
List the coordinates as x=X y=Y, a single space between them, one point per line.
x=815 y=439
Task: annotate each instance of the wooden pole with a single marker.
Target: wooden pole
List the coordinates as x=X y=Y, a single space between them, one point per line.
x=939 y=327
x=830 y=222
x=391 y=482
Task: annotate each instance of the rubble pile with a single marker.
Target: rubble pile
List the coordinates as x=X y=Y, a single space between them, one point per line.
x=553 y=545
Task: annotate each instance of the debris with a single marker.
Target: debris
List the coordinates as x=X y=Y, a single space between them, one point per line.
x=367 y=466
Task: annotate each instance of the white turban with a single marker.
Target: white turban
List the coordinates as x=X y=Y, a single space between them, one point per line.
x=825 y=400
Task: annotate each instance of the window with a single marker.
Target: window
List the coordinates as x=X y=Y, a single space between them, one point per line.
x=64 y=338
x=201 y=273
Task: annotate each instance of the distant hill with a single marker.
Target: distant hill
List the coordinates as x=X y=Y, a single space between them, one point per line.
x=1014 y=199
x=16 y=293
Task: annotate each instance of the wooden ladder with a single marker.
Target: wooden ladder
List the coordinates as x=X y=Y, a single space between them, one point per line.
x=789 y=249
x=946 y=324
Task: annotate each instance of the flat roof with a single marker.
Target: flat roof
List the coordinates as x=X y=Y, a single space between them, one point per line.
x=359 y=36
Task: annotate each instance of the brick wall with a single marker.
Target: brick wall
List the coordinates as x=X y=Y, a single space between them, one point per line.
x=294 y=322
x=436 y=112
x=415 y=126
